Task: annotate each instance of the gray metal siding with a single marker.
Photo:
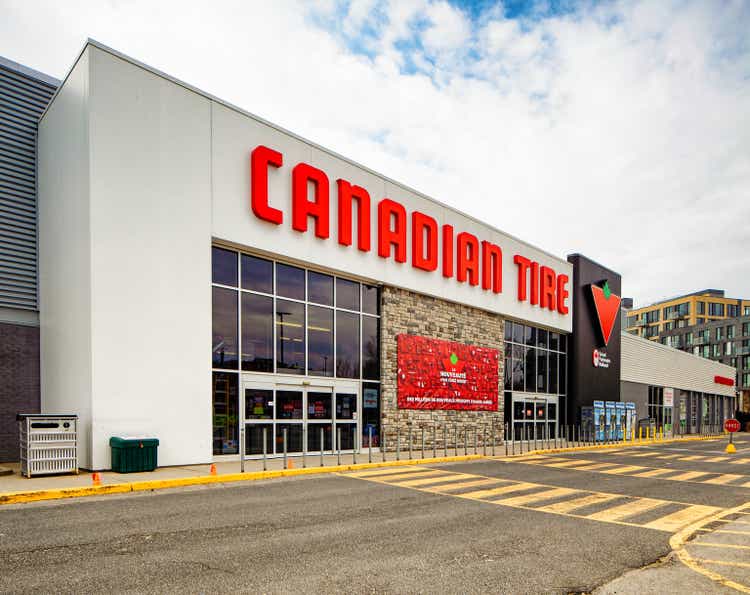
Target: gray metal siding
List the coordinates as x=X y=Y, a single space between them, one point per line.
x=23 y=98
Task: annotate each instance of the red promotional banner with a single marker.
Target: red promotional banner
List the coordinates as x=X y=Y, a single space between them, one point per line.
x=435 y=374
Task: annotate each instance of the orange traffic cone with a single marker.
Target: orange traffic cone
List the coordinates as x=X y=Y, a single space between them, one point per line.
x=289 y=464
x=96 y=478
x=212 y=470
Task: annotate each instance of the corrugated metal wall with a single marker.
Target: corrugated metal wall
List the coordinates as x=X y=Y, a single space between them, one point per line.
x=648 y=362
x=23 y=97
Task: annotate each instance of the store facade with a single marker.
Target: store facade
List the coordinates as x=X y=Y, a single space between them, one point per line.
x=204 y=273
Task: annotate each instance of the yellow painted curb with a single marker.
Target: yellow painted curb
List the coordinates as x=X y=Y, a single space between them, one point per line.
x=628 y=444
x=160 y=484
x=679 y=540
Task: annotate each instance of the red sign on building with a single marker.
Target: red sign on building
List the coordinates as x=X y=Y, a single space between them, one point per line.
x=435 y=374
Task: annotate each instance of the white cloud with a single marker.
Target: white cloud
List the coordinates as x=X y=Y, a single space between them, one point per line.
x=621 y=131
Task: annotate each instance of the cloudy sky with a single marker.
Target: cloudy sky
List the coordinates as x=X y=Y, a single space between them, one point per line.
x=620 y=130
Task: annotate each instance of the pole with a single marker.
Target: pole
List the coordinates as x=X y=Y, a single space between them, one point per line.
x=422 y=428
x=410 y=442
x=354 y=445
x=243 y=447
x=382 y=443
x=322 y=462
x=445 y=440
x=398 y=443
x=304 y=446
x=264 y=448
x=338 y=445
x=285 y=462
x=369 y=443
x=434 y=440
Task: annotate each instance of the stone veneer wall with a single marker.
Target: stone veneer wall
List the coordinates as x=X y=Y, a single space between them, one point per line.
x=406 y=312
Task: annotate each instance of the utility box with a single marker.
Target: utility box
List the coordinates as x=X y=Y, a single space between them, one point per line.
x=133 y=454
x=49 y=443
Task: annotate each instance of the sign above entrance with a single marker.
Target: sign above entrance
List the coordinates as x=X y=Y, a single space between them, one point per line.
x=607 y=306
x=435 y=374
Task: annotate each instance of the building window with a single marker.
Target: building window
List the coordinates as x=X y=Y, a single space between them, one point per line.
x=730 y=331
x=728 y=348
x=535 y=360
x=715 y=309
x=700 y=320
x=746 y=311
x=715 y=350
x=632 y=320
x=745 y=329
x=688 y=338
x=668 y=326
x=656 y=404
x=746 y=380
x=733 y=310
x=701 y=307
x=719 y=333
x=652 y=316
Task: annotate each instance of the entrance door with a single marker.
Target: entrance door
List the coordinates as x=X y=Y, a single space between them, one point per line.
x=299 y=416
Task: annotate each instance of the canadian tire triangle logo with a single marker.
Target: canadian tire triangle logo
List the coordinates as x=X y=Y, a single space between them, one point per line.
x=607 y=306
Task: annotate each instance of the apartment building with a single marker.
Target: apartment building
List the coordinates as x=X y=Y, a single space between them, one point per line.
x=698 y=308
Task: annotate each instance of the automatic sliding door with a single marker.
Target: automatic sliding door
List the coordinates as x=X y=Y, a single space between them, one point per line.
x=289 y=417
x=319 y=418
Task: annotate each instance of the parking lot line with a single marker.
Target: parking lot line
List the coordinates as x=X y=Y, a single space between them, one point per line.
x=622 y=511
x=674 y=521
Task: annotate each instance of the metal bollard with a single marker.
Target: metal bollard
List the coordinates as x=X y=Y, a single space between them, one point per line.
x=484 y=440
x=369 y=444
x=243 y=448
x=410 y=443
x=338 y=446
x=354 y=445
x=265 y=467
x=494 y=438
x=505 y=440
x=534 y=437
x=466 y=441
x=285 y=430
x=322 y=462
x=476 y=440
x=455 y=436
x=304 y=447
x=445 y=440
x=398 y=444
x=422 y=441
x=382 y=443
x=434 y=440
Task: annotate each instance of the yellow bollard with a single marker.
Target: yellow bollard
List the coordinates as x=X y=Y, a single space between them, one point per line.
x=640 y=434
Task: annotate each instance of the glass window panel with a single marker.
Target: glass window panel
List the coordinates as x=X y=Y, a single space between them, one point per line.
x=346 y=434
x=564 y=343
x=370 y=414
x=347 y=294
x=542 y=338
x=563 y=373
x=254 y=440
x=257 y=274
x=517 y=333
x=370 y=351
x=224 y=343
x=293 y=438
x=508 y=326
x=290 y=281
x=518 y=410
x=541 y=371
x=530 y=335
x=551 y=410
x=225 y=405
x=319 y=405
x=288 y=404
x=554 y=341
x=223 y=266
x=370 y=299
x=320 y=341
x=519 y=355
x=346 y=406
x=530 y=369
x=320 y=288
x=528 y=410
x=313 y=437
x=552 y=373
x=290 y=337
x=508 y=367
x=541 y=411
x=257 y=332
x=347 y=345
x=258 y=403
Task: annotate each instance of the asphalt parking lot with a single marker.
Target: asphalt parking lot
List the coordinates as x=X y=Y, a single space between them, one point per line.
x=554 y=523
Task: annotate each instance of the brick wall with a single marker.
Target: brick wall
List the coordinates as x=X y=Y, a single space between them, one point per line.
x=19 y=382
x=406 y=312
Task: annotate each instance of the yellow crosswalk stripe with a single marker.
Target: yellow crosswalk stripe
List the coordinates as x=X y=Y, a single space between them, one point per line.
x=674 y=521
x=740 y=462
x=412 y=483
x=536 y=497
x=568 y=463
x=628 y=509
x=570 y=505
x=595 y=466
x=387 y=471
x=653 y=473
x=480 y=494
x=716 y=460
x=624 y=469
x=690 y=475
x=645 y=454
x=399 y=476
x=668 y=456
x=694 y=458
x=722 y=479
x=464 y=484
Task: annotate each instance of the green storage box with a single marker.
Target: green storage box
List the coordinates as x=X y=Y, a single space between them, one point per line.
x=130 y=455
